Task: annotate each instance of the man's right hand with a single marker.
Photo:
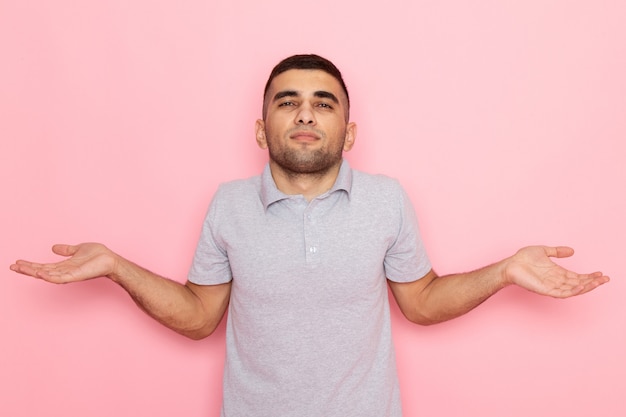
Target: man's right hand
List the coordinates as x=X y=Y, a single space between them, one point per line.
x=86 y=261
x=192 y=310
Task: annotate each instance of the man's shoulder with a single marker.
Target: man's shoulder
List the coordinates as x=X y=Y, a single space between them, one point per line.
x=238 y=184
x=377 y=178
x=239 y=190
x=375 y=183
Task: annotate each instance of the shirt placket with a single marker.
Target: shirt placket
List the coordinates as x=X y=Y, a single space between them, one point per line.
x=311 y=237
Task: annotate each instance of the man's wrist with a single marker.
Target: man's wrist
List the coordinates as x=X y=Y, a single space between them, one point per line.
x=119 y=267
x=508 y=268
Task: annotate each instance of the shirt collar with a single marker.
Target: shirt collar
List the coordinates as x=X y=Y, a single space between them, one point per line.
x=271 y=194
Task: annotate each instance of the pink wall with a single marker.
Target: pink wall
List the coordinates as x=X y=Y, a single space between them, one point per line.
x=505 y=121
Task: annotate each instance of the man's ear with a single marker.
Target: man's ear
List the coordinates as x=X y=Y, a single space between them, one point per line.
x=260 y=134
x=350 y=136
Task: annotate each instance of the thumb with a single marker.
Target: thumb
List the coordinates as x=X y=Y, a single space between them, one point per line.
x=64 y=250
x=559 y=251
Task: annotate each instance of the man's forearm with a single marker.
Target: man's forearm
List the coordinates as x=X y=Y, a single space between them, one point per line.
x=172 y=304
x=192 y=310
x=434 y=299
x=450 y=296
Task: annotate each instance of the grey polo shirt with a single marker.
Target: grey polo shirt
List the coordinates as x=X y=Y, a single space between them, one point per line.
x=308 y=328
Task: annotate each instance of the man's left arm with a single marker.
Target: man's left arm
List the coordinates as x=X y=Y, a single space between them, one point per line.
x=433 y=299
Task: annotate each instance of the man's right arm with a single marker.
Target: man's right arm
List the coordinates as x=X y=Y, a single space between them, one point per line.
x=191 y=310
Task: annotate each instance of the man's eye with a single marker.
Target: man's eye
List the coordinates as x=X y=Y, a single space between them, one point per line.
x=325 y=105
x=286 y=103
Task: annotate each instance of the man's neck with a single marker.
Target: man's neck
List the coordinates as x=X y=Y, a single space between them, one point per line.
x=309 y=185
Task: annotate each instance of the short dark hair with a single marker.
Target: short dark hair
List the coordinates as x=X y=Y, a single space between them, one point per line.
x=305 y=62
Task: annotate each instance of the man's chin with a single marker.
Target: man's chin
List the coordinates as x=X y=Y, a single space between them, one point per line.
x=306 y=167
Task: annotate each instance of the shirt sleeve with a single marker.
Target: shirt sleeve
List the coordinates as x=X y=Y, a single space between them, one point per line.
x=210 y=265
x=406 y=260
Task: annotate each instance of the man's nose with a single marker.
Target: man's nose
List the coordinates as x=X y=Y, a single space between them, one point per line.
x=305 y=116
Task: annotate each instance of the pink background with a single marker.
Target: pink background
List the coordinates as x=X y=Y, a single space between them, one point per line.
x=505 y=122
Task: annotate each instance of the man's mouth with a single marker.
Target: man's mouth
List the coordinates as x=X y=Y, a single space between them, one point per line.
x=304 y=135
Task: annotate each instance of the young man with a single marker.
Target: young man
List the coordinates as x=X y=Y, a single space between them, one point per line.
x=302 y=256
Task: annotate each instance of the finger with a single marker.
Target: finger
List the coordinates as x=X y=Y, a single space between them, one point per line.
x=28 y=268
x=572 y=279
x=21 y=268
x=64 y=250
x=46 y=272
x=586 y=287
x=580 y=284
x=585 y=278
x=21 y=264
x=559 y=251
x=596 y=279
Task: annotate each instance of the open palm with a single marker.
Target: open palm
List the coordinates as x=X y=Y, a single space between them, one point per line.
x=532 y=269
x=86 y=261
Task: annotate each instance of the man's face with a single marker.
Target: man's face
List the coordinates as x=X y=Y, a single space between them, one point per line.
x=305 y=127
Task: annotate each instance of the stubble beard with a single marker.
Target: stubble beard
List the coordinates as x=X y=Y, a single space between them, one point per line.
x=304 y=162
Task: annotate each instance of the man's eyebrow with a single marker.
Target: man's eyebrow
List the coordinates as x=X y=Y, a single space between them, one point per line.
x=328 y=95
x=286 y=93
x=318 y=94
